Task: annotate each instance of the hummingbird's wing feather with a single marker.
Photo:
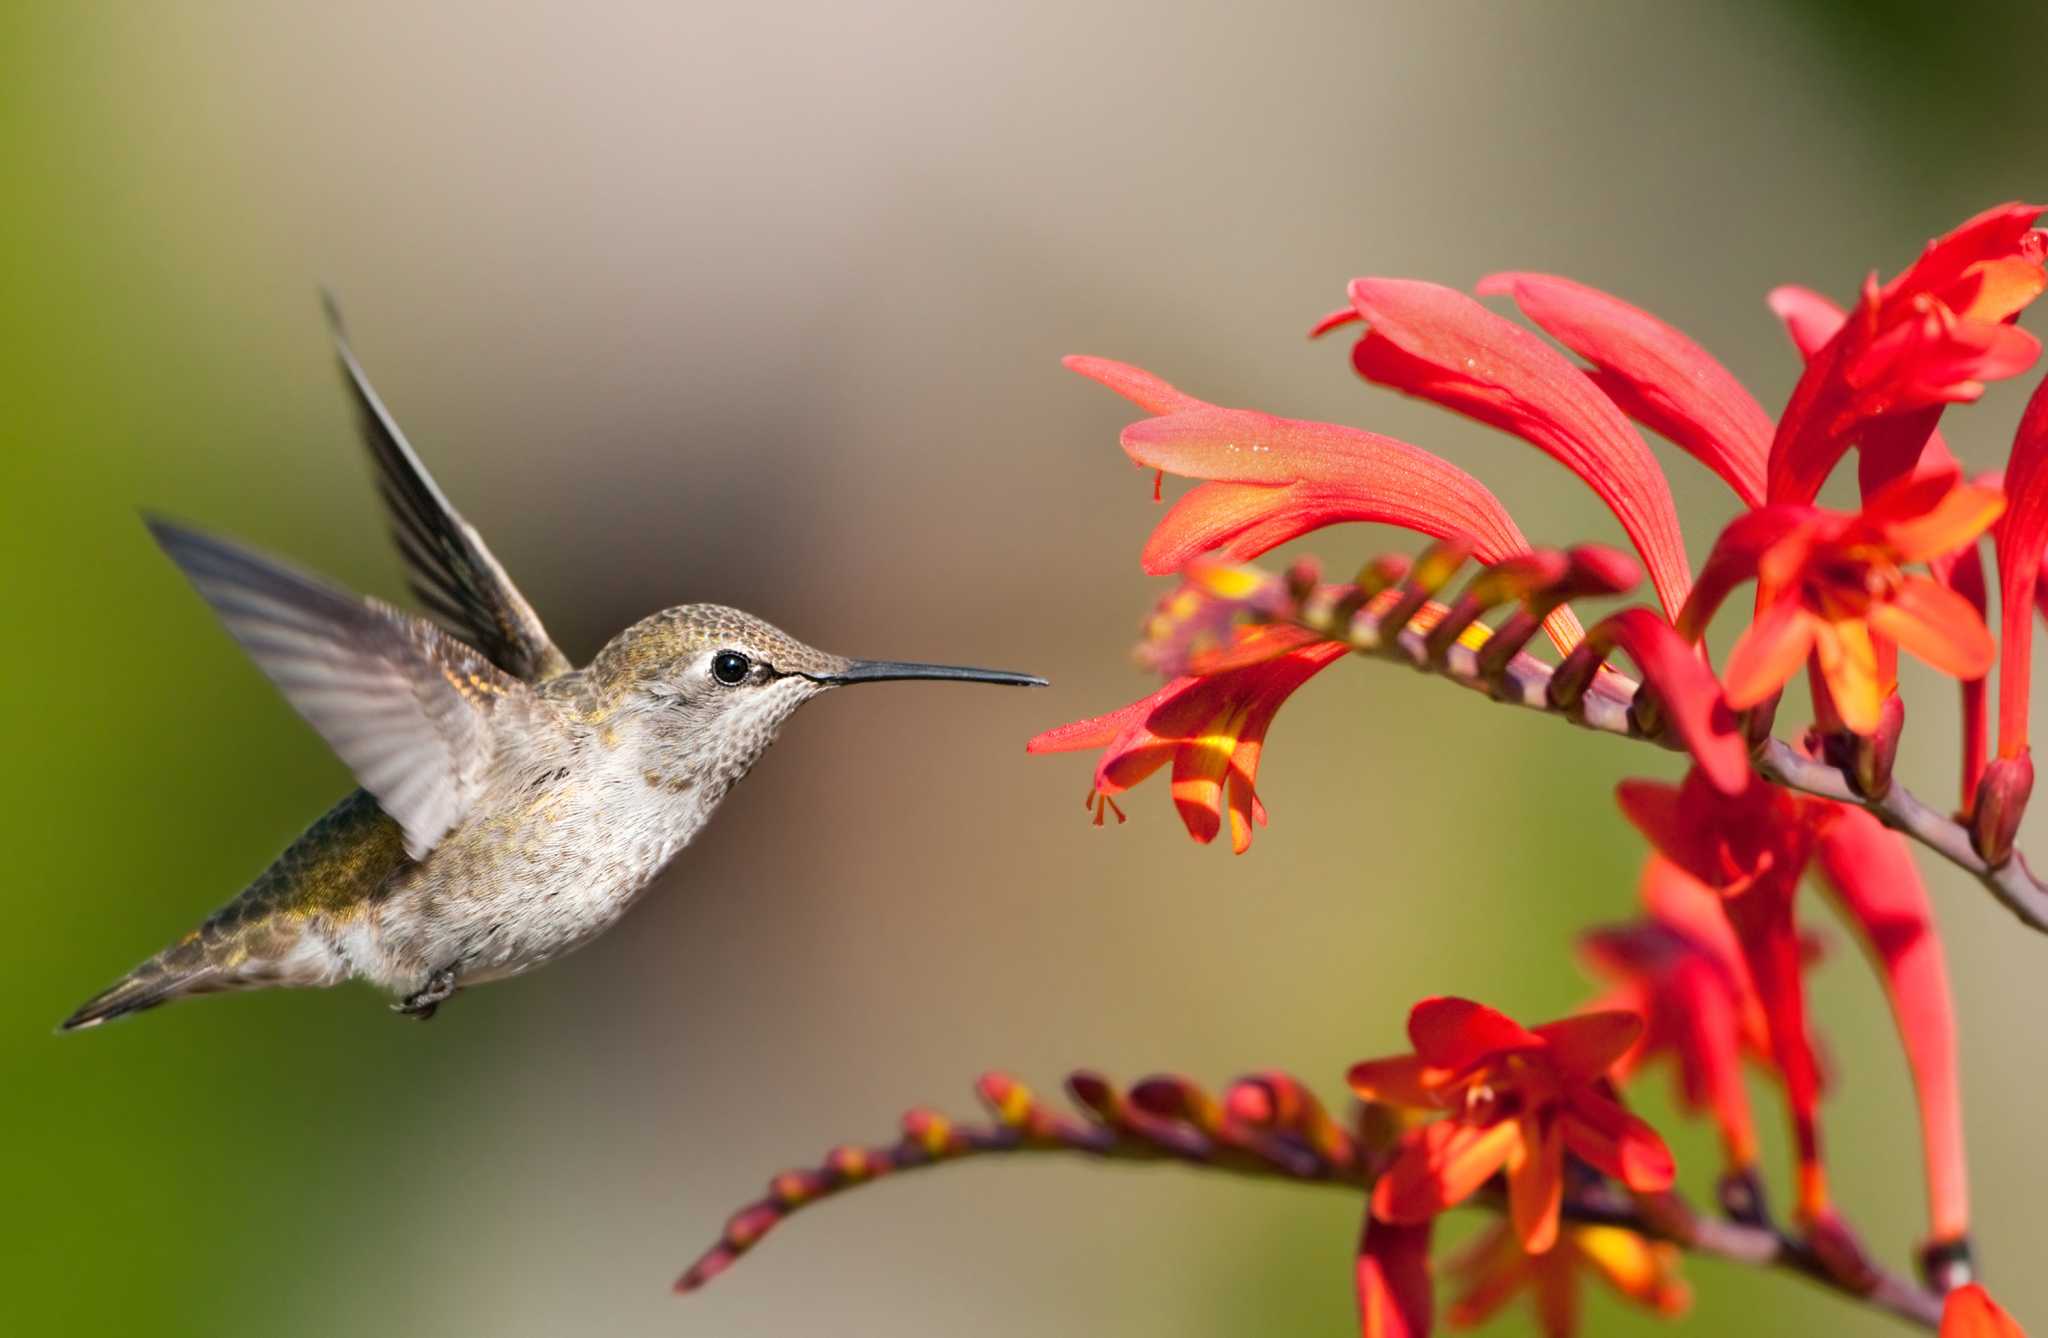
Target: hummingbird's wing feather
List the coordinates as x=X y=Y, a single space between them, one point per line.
x=406 y=706
x=450 y=569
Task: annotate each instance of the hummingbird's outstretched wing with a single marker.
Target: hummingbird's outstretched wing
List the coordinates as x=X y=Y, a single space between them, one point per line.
x=406 y=706
x=449 y=567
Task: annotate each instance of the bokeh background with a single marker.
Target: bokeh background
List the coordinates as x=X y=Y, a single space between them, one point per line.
x=763 y=304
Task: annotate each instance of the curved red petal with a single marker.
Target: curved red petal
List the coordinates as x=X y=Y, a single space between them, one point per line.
x=1767 y=654
x=1932 y=335
x=1458 y=1034
x=1273 y=692
x=1657 y=811
x=1436 y=343
x=1737 y=554
x=1614 y=1142
x=2021 y=536
x=1689 y=691
x=1656 y=374
x=1890 y=446
x=1102 y=730
x=1151 y=393
x=1245 y=520
x=1395 y=482
x=1586 y=1046
x=1878 y=885
x=1810 y=318
x=1396 y=1293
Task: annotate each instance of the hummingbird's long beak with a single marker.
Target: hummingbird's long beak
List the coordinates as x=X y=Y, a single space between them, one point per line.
x=886 y=671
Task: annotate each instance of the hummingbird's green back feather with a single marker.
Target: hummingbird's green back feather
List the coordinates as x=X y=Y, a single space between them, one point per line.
x=330 y=875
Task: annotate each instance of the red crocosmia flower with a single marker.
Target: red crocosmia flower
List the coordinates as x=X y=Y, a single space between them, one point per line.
x=1753 y=848
x=1889 y=446
x=1494 y=1268
x=1872 y=872
x=1657 y=375
x=1211 y=728
x=1828 y=582
x=1396 y=1293
x=1932 y=336
x=1812 y=320
x=1518 y=1098
x=1969 y=1312
x=1440 y=345
x=1681 y=968
x=1269 y=480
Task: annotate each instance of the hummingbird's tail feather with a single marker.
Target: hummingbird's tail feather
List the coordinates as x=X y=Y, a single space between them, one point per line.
x=220 y=955
x=145 y=987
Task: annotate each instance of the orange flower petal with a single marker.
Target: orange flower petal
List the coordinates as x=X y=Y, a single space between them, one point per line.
x=1767 y=654
x=1957 y=519
x=1536 y=1183
x=1440 y=1165
x=1199 y=764
x=1848 y=661
x=2002 y=288
x=1935 y=623
x=1971 y=1313
x=1642 y=1270
x=1399 y=1080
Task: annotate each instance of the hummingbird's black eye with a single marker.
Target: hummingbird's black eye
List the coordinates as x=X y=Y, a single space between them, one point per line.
x=730 y=667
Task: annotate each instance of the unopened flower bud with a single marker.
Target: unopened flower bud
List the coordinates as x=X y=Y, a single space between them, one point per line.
x=2001 y=802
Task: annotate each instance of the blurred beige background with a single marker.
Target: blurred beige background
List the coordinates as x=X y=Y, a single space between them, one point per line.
x=763 y=304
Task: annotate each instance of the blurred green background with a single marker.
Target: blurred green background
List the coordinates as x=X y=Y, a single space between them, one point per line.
x=762 y=304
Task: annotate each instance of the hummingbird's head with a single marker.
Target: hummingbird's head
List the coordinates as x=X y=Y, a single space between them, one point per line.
x=716 y=683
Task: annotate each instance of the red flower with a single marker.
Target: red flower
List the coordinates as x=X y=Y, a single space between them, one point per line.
x=1436 y=343
x=1871 y=870
x=1271 y=479
x=1494 y=1268
x=1828 y=582
x=1211 y=728
x=1932 y=336
x=1682 y=970
x=1654 y=373
x=1753 y=848
x=1812 y=320
x=1970 y=1312
x=1519 y=1099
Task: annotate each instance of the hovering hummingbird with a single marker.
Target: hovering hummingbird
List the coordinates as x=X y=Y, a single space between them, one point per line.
x=512 y=807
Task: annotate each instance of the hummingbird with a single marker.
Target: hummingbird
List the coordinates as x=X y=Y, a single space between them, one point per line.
x=512 y=807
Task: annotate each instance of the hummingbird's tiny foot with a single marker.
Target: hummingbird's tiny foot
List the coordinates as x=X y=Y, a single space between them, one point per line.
x=424 y=1002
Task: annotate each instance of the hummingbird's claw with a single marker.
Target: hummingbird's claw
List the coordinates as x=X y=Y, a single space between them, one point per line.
x=424 y=1002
